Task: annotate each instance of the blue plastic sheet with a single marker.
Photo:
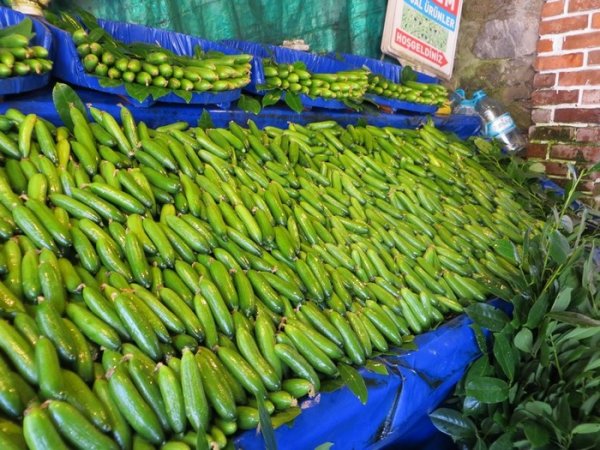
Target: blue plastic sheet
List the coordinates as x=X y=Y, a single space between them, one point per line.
x=393 y=73
x=68 y=65
x=396 y=413
x=40 y=102
x=314 y=63
x=43 y=37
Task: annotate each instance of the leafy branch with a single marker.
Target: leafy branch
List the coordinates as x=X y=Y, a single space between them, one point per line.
x=537 y=387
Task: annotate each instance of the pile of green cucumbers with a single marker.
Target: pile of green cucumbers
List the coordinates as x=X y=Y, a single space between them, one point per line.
x=17 y=58
x=408 y=91
x=213 y=73
x=350 y=84
x=157 y=284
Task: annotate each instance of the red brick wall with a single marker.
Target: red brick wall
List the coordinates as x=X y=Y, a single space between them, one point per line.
x=566 y=97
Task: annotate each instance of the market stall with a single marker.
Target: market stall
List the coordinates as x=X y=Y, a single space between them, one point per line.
x=181 y=268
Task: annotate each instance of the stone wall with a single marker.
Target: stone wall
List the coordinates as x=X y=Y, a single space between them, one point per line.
x=496 y=52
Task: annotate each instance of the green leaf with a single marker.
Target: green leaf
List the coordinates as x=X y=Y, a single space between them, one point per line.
x=512 y=392
x=487 y=316
x=563 y=300
x=595 y=167
x=332 y=385
x=24 y=27
x=299 y=65
x=266 y=427
x=537 y=167
x=588 y=404
x=590 y=273
x=593 y=364
x=558 y=248
x=283 y=417
x=293 y=101
x=249 y=104
x=487 y=389
x=354 y=381
x=185 y=95
x=376 y=367
x=508 y=250
x=504 y=442
x=157 y=92
x=472 y=407
x=64 y=97
x=137 y=91
x=453 y=423
x=483 y=145
x=539 y=408
x=480 y=368
x=88 y=19
x=480 y=444
x=537 y=434
x=505 y=355
x=524 y=340
x=271 y=98
x=109 y=82
x=479 y=338
x=581 y=333
x=96 y=34
x=585 y=428
x=205 y=121
x=563 y=414
x=324 y=446
x=352 y=104
x=574 y=318
x=408 y=74
x=537 y=312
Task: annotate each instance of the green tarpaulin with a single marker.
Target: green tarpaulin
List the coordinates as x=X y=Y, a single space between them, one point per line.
x=352 y=26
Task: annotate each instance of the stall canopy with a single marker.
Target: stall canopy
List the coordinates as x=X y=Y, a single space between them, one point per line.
x=350 y=26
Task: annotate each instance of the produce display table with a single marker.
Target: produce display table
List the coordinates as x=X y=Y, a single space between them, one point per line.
x=396 y=413
x=418 y=379
x=40 y=102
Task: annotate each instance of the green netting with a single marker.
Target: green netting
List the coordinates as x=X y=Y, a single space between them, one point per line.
x=353 y=26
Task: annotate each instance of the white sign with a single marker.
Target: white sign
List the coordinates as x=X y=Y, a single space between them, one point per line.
x=423 y=33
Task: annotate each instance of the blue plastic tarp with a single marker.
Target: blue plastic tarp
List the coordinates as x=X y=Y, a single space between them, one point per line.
x=40 y=102
x=68 y=65
x=398 y=405
x=43 y=37
x=314 y=64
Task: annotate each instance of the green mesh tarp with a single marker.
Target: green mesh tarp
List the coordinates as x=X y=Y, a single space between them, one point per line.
x=351 y=26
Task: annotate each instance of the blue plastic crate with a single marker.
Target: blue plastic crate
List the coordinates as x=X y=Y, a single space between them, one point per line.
x=393 y=73
x=43 y=37
x=314 y=64
x=68 y=66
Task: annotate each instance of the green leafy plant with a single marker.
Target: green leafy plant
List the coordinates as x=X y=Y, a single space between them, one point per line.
x=537 y=384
